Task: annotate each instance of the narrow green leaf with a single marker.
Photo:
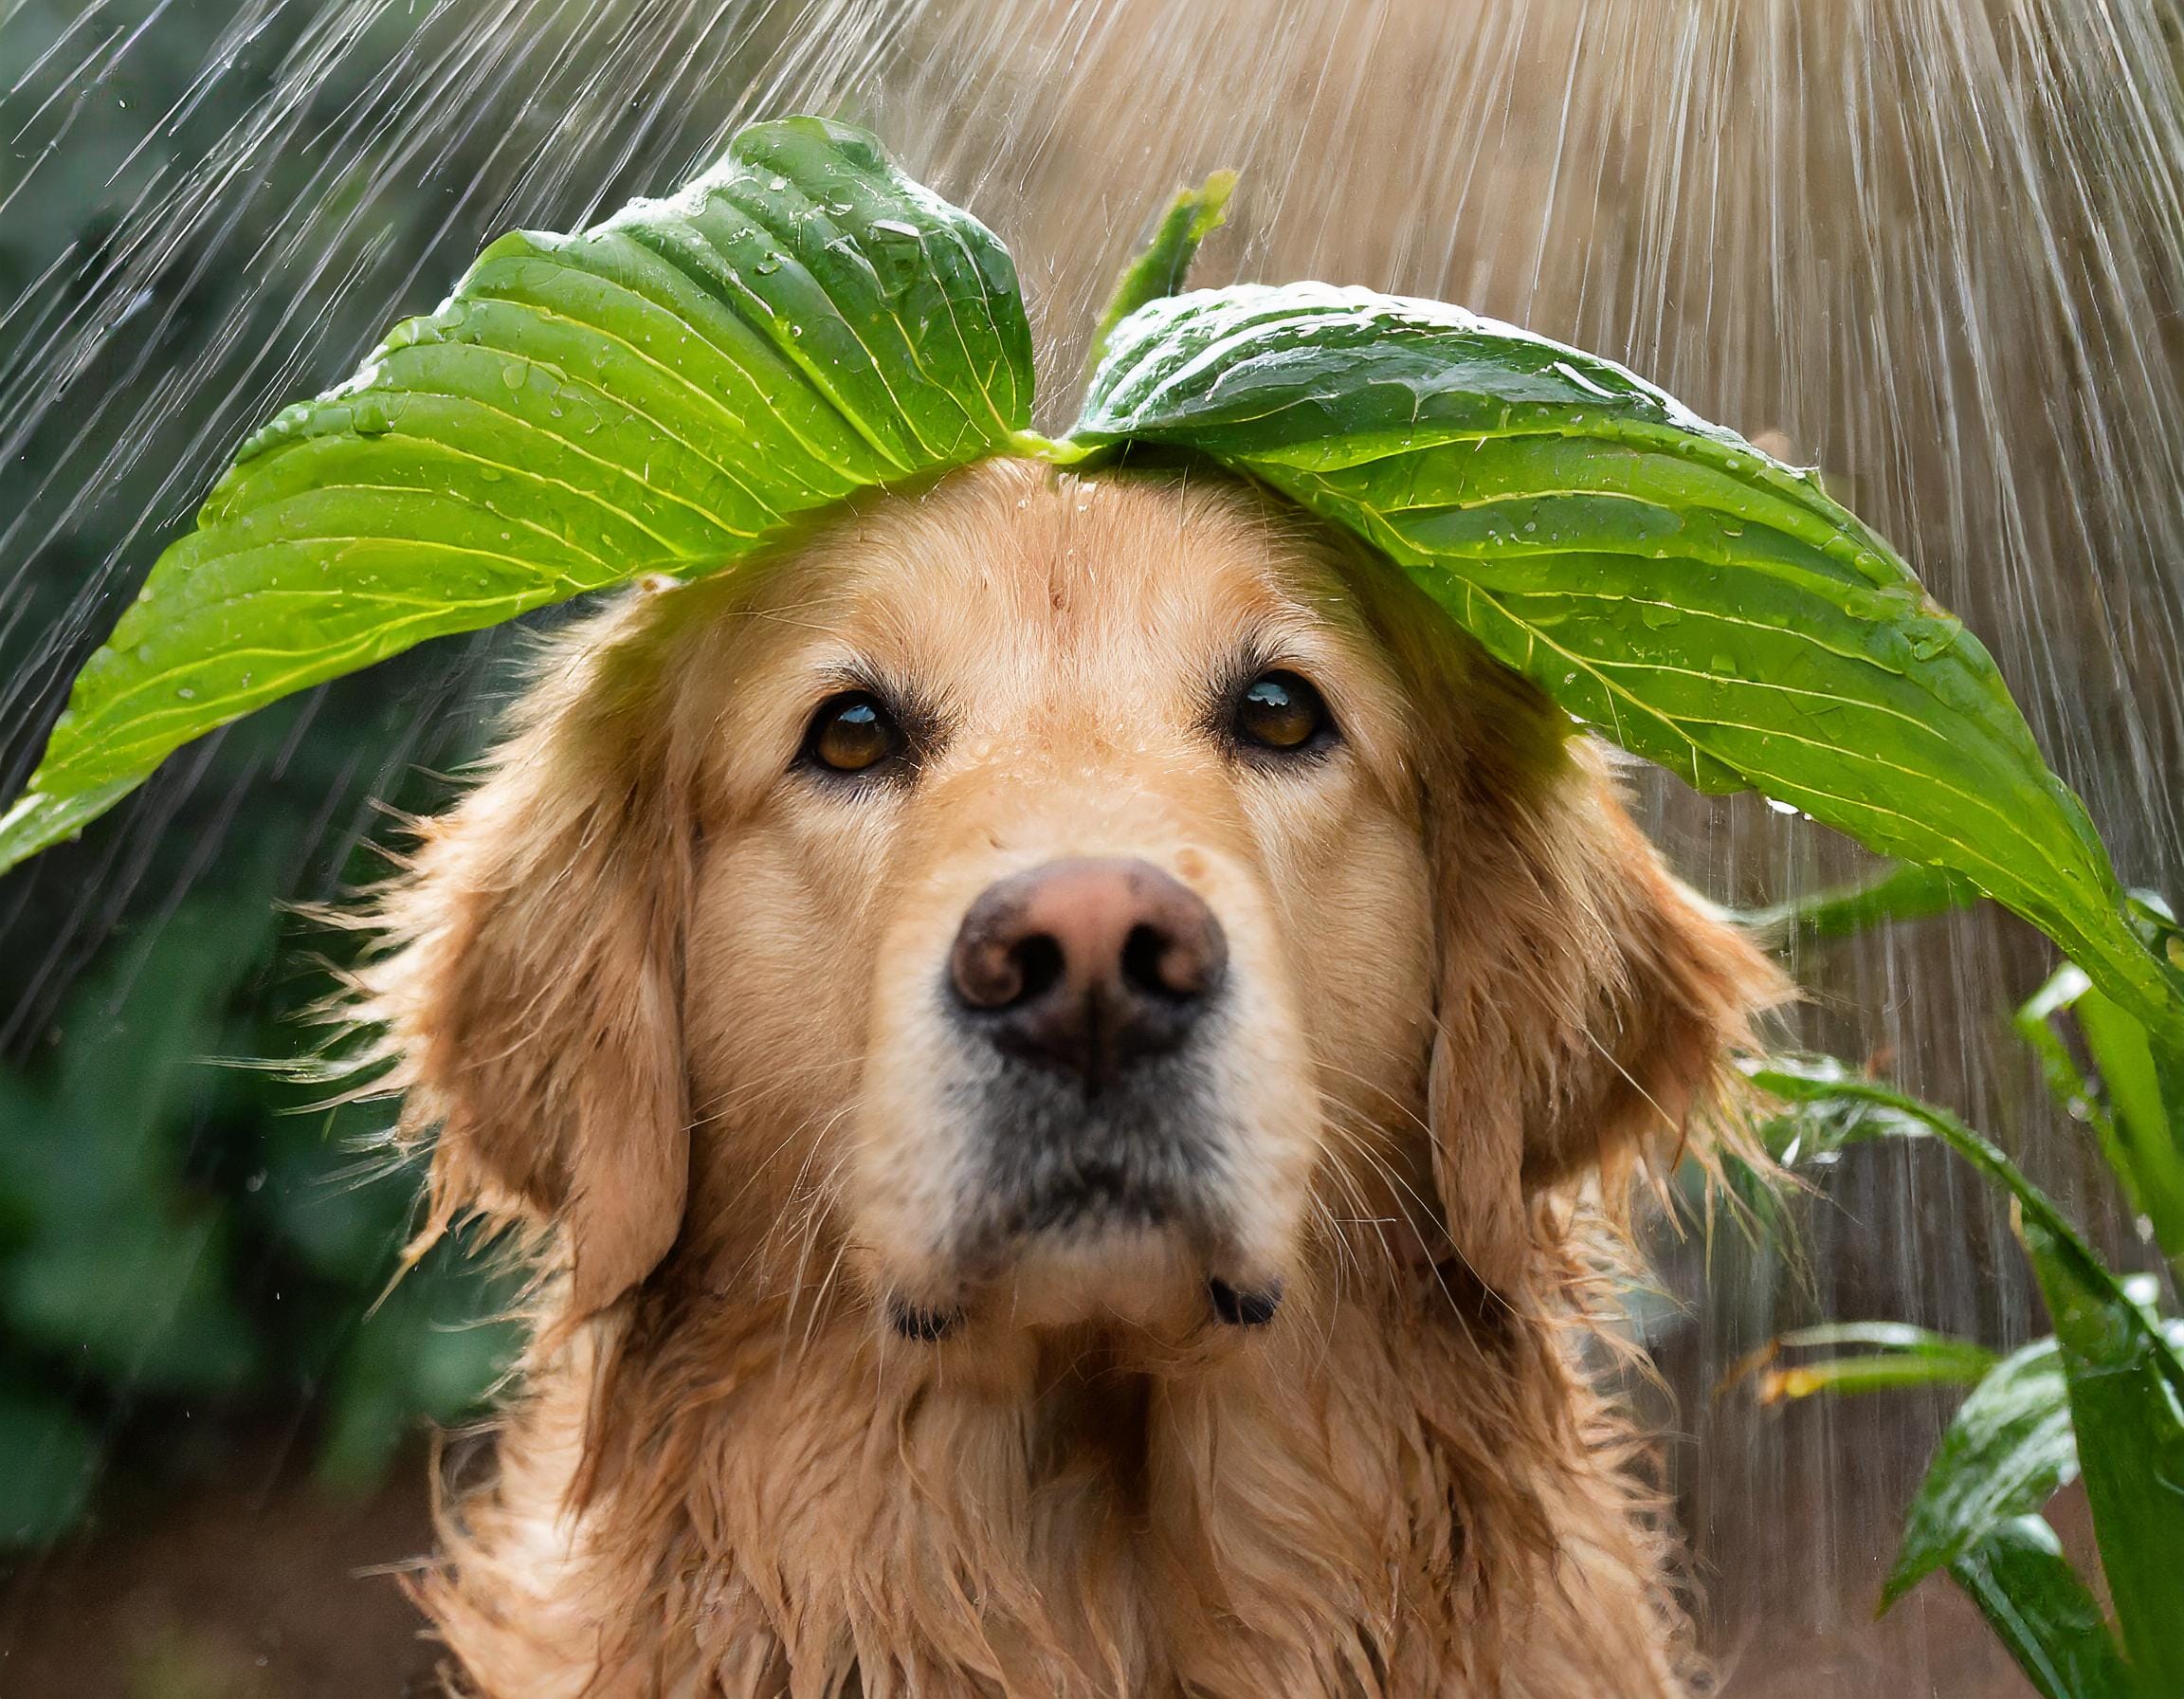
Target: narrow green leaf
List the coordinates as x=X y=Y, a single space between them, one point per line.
x=661 y=392
x=2127 y=1408
x=1828 y=1106
x=1905 y=892
x=1899 y=1356
x=2136 y=1112
x=1661 y=578
x=1191 y=216
x=2004 y=1456
x=1876 y=1371
x=2145 y=1092
x=2041 y=1612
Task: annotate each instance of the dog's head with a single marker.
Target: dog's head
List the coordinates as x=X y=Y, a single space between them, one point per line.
x=1041 y=899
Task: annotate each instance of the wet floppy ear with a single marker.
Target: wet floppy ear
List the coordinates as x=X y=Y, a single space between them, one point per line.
x=1587 y=1003
x=530 y=990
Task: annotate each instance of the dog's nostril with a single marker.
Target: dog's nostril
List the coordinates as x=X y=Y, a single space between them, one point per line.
x=1039 y=964
x=1152 y=963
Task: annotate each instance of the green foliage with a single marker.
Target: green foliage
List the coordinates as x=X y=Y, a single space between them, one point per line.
x=2008 y=1449
x=118 y=1257
x=2103 y=1398
x=52 y=1460
x=1194 y=215
x=2137 y=1110
x=2040 y=1610
x=135 y=1273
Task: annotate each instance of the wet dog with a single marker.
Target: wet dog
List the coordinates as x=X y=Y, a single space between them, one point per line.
x=1063 y=1047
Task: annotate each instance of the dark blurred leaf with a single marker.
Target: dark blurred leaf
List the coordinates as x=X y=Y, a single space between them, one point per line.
x=122 y=1265
x=2041 y=1612
x=145 y=1300
x=426 y=1354
x=345 y=1212
x=47 y=1459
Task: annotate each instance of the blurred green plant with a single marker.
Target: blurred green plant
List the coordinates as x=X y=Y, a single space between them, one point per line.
x=189 y=1258
x=2101 y=1400
x=178 y=1231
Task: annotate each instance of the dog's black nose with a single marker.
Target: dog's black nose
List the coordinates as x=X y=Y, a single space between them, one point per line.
x=1087 y=965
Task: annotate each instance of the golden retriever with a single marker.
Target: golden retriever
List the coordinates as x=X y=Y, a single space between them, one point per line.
x=1057 y=1043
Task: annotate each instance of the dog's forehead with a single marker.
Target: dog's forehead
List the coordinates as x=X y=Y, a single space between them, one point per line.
x=1131 y=572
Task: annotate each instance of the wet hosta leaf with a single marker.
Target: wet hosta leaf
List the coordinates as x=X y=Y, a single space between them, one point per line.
x=1657 y=576
x=2005 y=1454
x=659 y=393
x=2040 y=1609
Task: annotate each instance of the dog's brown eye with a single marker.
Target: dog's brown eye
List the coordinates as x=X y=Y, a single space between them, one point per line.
x=852 y=732
x=1279 y=710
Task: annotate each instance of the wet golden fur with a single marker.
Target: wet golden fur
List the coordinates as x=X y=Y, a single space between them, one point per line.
x=665 y=1004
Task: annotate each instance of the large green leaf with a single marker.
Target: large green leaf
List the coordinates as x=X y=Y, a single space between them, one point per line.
x=1657 y=576
x=659 y=393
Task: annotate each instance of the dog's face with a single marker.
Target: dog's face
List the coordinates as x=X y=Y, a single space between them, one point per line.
x=1066 y=886
x=1066 y=898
